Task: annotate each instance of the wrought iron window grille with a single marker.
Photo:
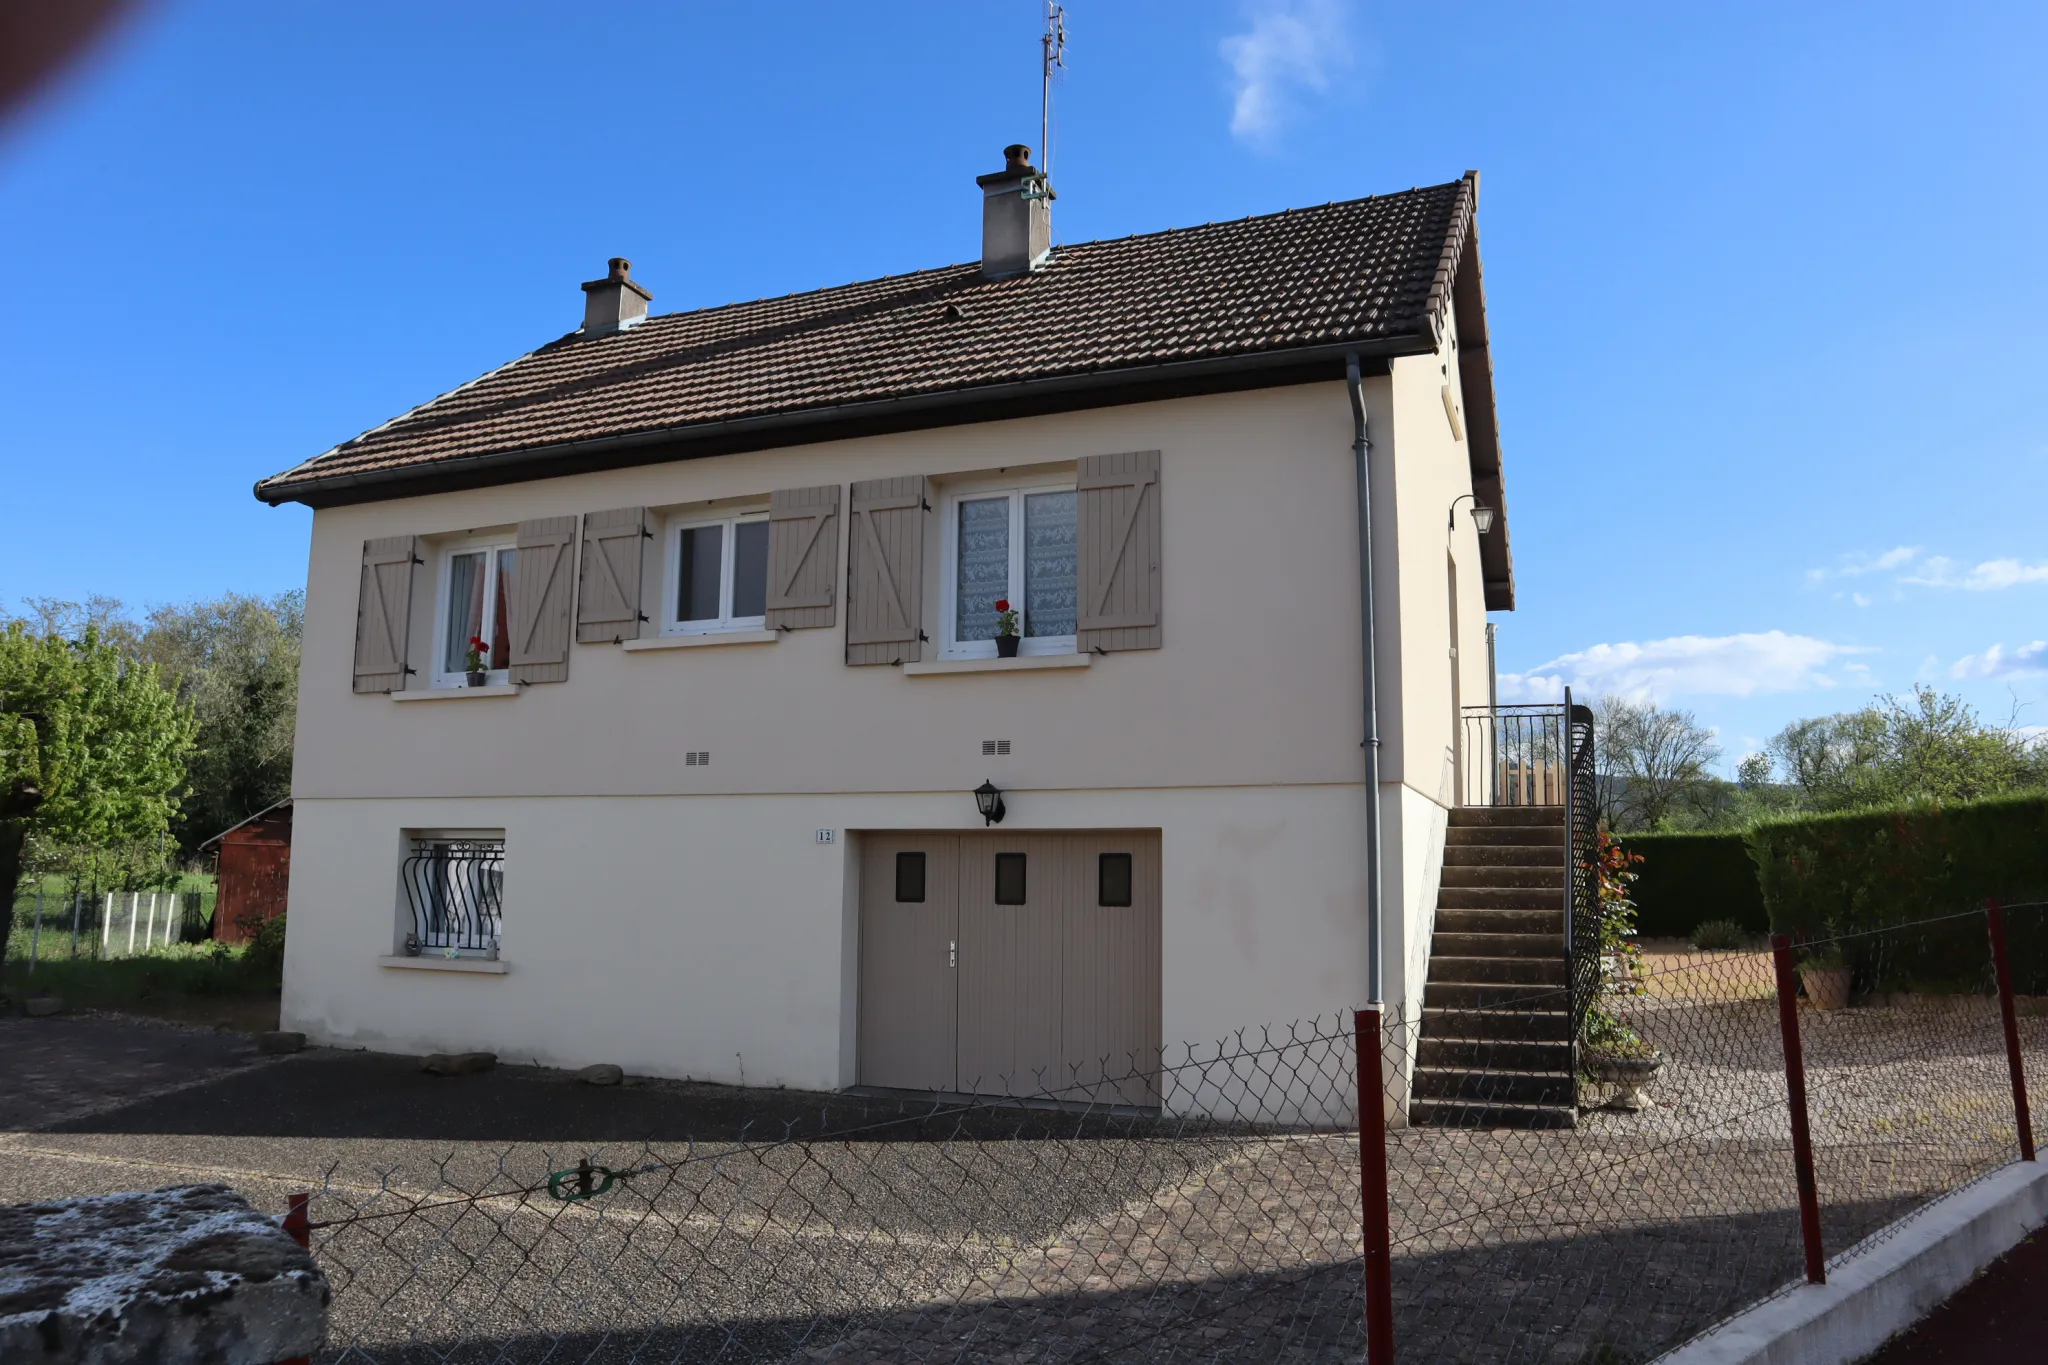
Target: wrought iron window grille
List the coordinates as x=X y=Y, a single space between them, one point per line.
x=455 y=890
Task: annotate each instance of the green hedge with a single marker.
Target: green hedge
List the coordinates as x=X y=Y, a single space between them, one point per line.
x=1829 y=875
x=1685 y=880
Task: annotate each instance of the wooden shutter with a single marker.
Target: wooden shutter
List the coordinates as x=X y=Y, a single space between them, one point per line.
x=539 y=617
x=384 y=613
x=1119 y=554
x=885 y=571
x=803 y=557
x=608 y=600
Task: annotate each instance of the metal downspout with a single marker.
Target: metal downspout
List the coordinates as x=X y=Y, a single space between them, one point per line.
x=1361 y=452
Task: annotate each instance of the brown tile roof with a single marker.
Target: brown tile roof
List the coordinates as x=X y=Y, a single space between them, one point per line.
x=1369 y=272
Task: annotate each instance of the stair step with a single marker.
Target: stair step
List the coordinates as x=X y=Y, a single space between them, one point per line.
x=1467 y=817
x=1497 y=945
x=1457 y=1114
x=1528 y=836
x=1476 y=971
x=1504 y=855
x=1547 y=875
x=1452 y=919
x=1494 y=1054
x=1500 y=898
x=1451 y=1024
x=1494 y=1087
x=1484 y=996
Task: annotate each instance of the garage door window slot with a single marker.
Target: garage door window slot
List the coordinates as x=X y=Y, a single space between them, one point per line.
x=1009 y=879
x=910 y=879
x=1113 y=879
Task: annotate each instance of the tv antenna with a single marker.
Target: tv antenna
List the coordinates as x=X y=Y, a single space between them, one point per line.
x=1054 y=45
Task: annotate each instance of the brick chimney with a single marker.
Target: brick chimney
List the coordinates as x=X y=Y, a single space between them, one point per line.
x=615 y=302
x=1016 y=216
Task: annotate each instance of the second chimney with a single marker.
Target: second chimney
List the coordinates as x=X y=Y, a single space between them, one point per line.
x=1016 y=216
x=615 y=302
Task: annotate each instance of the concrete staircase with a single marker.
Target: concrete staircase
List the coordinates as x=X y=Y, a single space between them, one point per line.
x=1496 y=1018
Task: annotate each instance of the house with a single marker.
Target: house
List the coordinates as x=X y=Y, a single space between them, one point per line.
x=252 y=872
x=653 y=710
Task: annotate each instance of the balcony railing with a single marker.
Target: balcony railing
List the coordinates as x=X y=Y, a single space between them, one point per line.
x=455 y=888
x=1513 y=756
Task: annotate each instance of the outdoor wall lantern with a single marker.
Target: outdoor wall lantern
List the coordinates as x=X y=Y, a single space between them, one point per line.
x=989 y=802
x=1482 y=515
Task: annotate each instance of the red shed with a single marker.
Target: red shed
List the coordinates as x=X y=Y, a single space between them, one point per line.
x=253 y=871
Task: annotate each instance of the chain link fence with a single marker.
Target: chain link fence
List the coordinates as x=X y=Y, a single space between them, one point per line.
x=1228 y=1224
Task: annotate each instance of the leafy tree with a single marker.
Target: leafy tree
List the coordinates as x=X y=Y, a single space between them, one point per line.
x=235 y=660
x=1653 y=764
x=94 y=747
x=1928 y=747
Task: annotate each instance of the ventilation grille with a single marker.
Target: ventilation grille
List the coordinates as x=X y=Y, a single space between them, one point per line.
x=991 y=747
x=697 y=758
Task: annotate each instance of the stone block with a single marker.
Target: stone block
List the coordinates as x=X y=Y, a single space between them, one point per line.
x=43 y=1006
x=280 y=1041
x=169 y=1277
x=458 y=1063
x=603 y=1073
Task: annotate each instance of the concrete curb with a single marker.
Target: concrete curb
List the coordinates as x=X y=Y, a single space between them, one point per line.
x=1873 y=1295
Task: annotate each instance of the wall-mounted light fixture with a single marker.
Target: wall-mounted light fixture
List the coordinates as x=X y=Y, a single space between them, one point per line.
x=989 y=802
x=1482 y=515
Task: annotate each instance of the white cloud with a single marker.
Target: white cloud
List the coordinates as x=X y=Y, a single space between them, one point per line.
x=1864 y=562
x=1724 y=665
x=1993 y=574
x=1291 y=45
x=2026 y=661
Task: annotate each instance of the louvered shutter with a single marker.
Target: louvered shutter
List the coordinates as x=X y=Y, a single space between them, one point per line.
x=384 y=613
x=1119 y=552
x=608 y=597
x=803 y=557
x=885 y=571
x=540 y=598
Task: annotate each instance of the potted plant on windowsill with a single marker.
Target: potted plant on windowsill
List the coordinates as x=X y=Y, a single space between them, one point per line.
x=1006 y=629
x=1826 y=978
x=474 y=661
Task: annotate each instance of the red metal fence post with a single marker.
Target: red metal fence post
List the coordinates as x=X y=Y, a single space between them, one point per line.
x=1372 y=1173
x=300 y=1229
x=1995 y=913
x=1795 y=1094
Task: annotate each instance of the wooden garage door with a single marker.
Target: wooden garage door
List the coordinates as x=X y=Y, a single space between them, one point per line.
x=1030 y=965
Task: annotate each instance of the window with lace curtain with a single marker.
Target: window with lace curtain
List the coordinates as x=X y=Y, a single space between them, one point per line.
x=1016 y=545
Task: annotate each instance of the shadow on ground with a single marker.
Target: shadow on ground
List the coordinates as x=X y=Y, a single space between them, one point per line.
x=332 y=1094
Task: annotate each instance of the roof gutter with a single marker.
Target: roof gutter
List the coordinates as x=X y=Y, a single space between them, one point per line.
x=480 y=468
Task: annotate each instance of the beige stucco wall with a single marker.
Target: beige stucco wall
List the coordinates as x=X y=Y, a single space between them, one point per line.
x=682 y=920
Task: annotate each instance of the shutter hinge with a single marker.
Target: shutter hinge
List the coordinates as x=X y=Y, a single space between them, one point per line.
x=642 y=615
x=421 y=562
x=646 y=534
x=923 y=638
x=411 y=672
x=922 y=504
x=1098 y=649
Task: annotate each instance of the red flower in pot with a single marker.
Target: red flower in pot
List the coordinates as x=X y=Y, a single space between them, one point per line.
x=1006 y=629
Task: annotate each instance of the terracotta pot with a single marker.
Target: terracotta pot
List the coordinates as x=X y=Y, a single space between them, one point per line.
x=1006 y=646
x=478 y=678
x=1628 y=1076
x=1827 y=988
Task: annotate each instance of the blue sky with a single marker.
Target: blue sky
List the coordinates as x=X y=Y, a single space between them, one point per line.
x=1764 y=280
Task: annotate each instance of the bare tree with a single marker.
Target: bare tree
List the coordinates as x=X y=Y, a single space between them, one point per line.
x=1653 y=763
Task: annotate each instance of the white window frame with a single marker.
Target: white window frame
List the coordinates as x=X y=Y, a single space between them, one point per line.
x=489 y=548
x=949 y=570
x=728 y=547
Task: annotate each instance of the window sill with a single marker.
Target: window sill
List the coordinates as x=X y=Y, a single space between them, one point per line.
x=1023 y=663
x=708 y=638
x=480 y=965
x=457 y=693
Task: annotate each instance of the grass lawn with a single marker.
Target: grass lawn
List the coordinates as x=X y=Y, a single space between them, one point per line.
x=195 y=982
